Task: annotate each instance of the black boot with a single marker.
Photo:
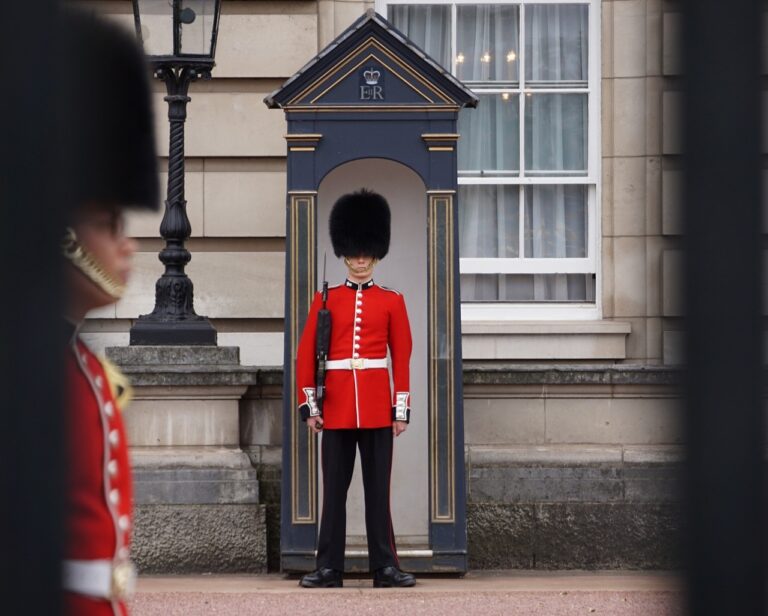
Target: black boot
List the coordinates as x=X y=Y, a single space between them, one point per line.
x=323 y=578
x=392 y=577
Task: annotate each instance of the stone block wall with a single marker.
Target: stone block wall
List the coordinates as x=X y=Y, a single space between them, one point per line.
x=600 y=494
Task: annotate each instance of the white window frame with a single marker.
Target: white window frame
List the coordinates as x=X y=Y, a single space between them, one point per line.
x=503 y=311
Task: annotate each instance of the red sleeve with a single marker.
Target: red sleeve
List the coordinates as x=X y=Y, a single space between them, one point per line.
x=305 y=362
x=400 y=346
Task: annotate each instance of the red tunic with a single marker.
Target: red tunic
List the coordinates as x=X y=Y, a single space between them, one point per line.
x=98 y=506
x=366 y=321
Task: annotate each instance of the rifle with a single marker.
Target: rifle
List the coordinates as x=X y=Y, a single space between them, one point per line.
x=322 y=344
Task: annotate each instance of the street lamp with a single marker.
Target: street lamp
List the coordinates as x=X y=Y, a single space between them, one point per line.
x=179 y=38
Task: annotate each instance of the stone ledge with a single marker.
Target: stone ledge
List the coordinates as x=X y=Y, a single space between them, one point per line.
x=188 y=457
x=570 y=455
x=545 y=327
x=536 y=456
x=573 y=474
x=196 y=486
x=179 y=366
x=174 y=355
x=568 y=374
x=507 y=373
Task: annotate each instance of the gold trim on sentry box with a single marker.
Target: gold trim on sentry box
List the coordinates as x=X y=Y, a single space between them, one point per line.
x=437 y=202
x=298 y=200
x=366 y=60
x=440 y=136
x=369 y=42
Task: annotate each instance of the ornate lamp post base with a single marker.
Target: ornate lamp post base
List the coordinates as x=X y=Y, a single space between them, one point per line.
x=194 y=331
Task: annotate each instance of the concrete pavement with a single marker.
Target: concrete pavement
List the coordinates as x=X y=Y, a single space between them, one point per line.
x=507 y=593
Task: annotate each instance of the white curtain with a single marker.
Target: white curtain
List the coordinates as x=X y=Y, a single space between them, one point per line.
x=556 y=221
x=556 y=227
x=427 y=25
x=556 y=134
x=490 y=139
x=556 y=43
x=527 y=288
x=487 y=42
x=489 y=221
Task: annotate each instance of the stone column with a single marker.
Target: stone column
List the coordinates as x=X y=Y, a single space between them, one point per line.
x=196 y=492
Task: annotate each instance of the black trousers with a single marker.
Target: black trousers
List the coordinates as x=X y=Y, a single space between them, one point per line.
x=338 y=459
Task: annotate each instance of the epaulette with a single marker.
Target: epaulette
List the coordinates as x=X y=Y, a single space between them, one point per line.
x=390 y=290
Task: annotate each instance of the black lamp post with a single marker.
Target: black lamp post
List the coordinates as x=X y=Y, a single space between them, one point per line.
x=179 y=37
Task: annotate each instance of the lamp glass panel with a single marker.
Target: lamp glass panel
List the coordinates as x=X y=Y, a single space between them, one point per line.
x=197 y=18
x=156 y=17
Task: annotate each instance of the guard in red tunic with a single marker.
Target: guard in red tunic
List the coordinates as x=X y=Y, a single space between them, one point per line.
x=112 y=166
x=359 y=410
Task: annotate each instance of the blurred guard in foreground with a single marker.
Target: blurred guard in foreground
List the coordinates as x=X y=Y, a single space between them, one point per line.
x=111 y=166
x=358 y=408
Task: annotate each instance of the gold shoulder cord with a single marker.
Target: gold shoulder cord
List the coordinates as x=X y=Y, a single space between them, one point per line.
x=119 y=384
x=89 y=266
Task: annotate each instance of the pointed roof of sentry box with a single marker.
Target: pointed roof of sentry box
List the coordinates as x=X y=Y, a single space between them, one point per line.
x=371 y=52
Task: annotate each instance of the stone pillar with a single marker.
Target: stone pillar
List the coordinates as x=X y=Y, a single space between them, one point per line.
x=197 y=495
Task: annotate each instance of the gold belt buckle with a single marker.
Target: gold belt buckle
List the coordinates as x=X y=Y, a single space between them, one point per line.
x=123 y=580
x=357 y=364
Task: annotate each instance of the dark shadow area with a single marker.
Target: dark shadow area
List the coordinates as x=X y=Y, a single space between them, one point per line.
x=725 y=482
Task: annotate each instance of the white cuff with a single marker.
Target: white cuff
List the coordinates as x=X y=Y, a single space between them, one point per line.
x=309 y=392
x=401 y=405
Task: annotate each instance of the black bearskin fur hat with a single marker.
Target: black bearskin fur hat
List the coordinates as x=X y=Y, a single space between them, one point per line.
x=108 y=140
x=360 y=225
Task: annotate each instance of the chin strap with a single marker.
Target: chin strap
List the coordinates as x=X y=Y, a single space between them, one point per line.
x=89 y=266
x=360 y=270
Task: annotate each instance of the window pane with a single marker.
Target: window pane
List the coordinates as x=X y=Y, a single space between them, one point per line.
x=489 y=221
x=427 y=25
x=196 y=26
x=490 y=135
x=556 y=133
x=527 y=287
x=556 y=42
x=556 y=221
x=487 y=42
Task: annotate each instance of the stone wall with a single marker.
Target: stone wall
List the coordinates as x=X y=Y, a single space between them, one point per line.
x=537 y=497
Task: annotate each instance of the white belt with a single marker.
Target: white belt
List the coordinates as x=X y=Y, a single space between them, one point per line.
x=105 y=579
x=360 y=363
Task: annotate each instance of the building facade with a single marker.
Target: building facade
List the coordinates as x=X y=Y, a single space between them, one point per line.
x=568 y=175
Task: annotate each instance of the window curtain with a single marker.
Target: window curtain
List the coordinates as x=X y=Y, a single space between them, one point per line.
x=556 y=227
x=487 y=42
x=556 y=43
x=556 y=46
x=427 y=25
x=556 y=221
x=490 y=135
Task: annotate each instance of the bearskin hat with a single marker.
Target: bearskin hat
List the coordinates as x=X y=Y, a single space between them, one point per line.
x=108 y=141
x=360 y=225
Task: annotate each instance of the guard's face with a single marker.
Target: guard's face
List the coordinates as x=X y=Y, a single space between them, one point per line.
x=101 y=232
x=360 y=265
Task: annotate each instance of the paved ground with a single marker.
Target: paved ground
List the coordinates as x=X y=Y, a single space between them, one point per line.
x=487 y=593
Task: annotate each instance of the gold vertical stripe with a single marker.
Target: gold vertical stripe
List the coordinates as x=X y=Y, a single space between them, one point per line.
x=297 y=203
x=442 y=203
